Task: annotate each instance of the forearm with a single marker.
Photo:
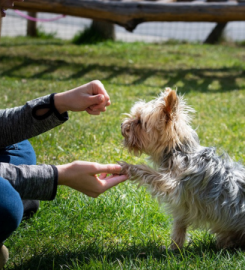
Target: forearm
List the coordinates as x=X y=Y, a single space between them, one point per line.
x=31 y=181
x=24 y=122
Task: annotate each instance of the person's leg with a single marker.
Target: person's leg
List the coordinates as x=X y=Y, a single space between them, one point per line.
x=11 y=209
x=11 y=213
x=17 y=154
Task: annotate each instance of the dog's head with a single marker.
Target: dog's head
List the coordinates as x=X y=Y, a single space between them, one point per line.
x=156 y=126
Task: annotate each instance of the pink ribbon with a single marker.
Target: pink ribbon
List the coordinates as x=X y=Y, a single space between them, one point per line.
x=36 y=19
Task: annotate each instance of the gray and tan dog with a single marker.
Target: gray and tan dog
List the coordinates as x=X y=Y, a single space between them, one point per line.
x=200 y=188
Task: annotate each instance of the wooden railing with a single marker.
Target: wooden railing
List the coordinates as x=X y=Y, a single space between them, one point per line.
x=131 y=13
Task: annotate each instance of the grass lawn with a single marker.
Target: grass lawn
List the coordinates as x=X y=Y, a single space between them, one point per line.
x=123 y=228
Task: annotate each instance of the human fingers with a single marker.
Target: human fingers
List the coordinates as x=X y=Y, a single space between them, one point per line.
x=102 y=175
x=98 y=88
x=105 y=176
x=88 y=110
x=101 y=107
x=98 y=108
x=96 y=100
x=97 y=103
x=113 y=180
x=107 y=168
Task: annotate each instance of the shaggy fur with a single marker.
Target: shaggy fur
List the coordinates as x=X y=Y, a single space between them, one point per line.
x=200 y=189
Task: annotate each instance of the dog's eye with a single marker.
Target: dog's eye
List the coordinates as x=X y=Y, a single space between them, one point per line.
x=139 y=121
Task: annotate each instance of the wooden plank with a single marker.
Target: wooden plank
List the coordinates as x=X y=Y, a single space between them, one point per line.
x=131 y=13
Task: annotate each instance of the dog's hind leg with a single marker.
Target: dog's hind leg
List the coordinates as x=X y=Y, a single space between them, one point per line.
x=230 y=239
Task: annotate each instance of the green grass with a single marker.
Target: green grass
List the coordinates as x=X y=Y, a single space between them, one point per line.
x=124 y=228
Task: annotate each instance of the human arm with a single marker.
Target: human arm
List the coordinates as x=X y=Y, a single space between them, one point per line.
x=37 y=182
x=40 y=181
x=42 y=114
x=23 y=122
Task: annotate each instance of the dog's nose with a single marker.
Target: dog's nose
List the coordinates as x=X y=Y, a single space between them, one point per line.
x=125 y=129
x=123 y=132
x=122 y=129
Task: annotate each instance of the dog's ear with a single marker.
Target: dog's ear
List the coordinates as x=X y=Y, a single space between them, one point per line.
x=171 y=101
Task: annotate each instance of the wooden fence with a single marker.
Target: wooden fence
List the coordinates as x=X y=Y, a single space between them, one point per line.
x=131 y=13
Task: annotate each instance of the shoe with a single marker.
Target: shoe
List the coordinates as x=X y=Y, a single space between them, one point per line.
x=30 y=207
x=4 y=255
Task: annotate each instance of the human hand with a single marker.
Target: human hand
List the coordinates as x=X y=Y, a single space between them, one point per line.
x=91 y=97
x=83 y=176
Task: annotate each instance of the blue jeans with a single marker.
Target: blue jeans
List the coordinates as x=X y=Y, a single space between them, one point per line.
x=11 y=205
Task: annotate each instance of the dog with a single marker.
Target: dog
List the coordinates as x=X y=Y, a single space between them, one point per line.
x=200 y=188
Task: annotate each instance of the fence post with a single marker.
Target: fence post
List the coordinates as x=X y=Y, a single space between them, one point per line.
x=31 y=25
x=215 y=34
x=0 y=24
x=105 y=29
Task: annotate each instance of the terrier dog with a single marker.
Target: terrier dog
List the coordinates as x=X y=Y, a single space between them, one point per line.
x=200 y=188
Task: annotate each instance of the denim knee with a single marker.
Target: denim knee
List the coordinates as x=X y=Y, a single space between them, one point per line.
x=11 y=209
x=19 y=153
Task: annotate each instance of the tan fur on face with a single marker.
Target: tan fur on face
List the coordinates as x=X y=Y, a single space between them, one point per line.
x=157 y=125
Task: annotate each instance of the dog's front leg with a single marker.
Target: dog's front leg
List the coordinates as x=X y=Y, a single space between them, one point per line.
x=178 y=234
x=145 y=175
x=138 y=172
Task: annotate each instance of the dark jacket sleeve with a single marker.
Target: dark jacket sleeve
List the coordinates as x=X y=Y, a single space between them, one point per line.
x=20 y=123
x=37 y=182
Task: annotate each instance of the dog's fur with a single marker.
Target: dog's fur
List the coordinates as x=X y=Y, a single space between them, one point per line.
x=200 y=188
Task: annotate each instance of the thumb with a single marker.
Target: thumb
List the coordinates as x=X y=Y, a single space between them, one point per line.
x=115 y=180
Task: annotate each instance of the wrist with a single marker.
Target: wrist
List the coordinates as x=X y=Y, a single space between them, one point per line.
x=60 y=103
x=63 y=174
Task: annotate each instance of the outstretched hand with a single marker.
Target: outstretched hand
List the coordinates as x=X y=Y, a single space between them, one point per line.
x=90 y=178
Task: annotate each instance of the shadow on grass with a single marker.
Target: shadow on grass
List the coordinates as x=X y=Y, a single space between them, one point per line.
x=135 y=254
x=197 y=79
x=33 y=41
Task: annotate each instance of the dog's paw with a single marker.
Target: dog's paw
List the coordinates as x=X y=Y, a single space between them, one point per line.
x=162 y=249
x=125 y=168
x=174 y=247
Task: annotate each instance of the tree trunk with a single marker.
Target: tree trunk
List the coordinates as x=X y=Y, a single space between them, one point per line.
x=31 y=25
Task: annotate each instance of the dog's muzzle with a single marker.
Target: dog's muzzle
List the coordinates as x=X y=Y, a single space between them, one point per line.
x=125 y=129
